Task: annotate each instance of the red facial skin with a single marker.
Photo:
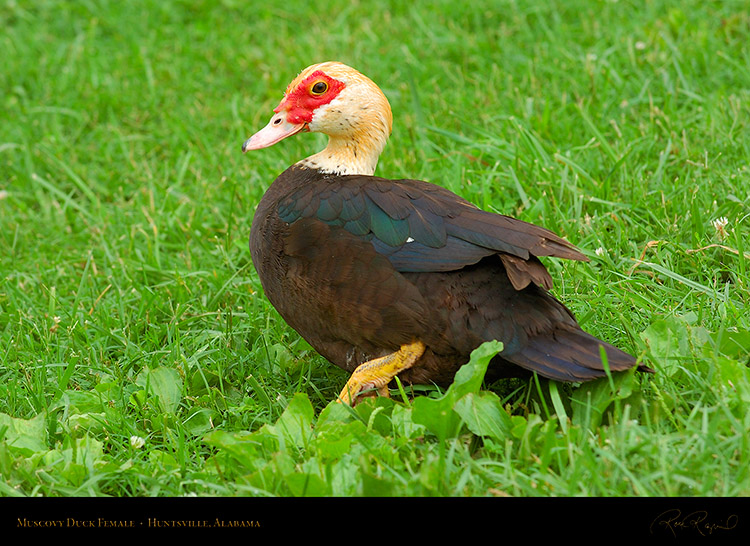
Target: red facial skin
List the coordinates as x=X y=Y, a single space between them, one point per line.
x=300 y=103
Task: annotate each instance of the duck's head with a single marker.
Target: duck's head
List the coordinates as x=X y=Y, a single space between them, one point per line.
x=336 y=100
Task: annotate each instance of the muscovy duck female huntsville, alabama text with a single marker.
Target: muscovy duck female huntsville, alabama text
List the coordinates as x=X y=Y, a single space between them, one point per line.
x=402 y=277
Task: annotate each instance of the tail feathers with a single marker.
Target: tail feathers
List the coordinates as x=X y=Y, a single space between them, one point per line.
x=572 y=356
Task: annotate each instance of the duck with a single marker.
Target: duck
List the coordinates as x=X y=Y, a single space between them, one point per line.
x=403 y=278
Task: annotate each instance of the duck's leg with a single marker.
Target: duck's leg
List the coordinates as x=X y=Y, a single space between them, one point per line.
x=377 y=373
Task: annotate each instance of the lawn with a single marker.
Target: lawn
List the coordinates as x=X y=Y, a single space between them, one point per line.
x=139 y=356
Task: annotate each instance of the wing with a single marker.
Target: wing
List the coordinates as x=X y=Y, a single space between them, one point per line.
x=421 y=227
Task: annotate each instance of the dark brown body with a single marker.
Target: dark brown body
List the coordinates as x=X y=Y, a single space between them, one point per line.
x=354 y=301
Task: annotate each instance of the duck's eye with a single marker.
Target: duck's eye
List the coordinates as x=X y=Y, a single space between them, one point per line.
x=319 y=88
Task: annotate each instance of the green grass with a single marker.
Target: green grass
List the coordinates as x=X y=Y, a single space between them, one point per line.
x=139 y=357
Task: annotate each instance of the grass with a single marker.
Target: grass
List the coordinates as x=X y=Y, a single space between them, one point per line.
x=139 y=357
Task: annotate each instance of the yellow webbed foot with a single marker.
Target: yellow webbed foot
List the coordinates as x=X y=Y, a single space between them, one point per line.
x=377 y=373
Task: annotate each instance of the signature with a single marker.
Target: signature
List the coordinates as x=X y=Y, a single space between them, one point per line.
x=697 y=521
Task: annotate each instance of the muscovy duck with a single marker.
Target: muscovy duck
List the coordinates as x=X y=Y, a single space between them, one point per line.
x=402 y=277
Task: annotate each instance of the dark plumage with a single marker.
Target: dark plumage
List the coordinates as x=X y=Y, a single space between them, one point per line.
x=336 y=264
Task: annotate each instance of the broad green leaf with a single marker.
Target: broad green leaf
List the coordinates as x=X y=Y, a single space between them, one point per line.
x=336 y=430
x=470 y=376
x=403 y=423
x=672 y=339
x=523 y=427
x=279 y=356
x=376 y=486
x=295 y=424
x=735 y=344
x=85 y=451
x=83 y=401
x=92 y=422
x=200 y=421
x=335 y=413
x=247 y=449
x=163 y=460
x=591 y=400
x=164 y=383
x=376 y=413
x=306 y=485
x=24 y=436
x=484 y=415
x=732 y=379
x=438 y=414
x=335 y=442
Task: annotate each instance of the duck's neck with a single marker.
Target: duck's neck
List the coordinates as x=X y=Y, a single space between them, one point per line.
x=349 y=155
